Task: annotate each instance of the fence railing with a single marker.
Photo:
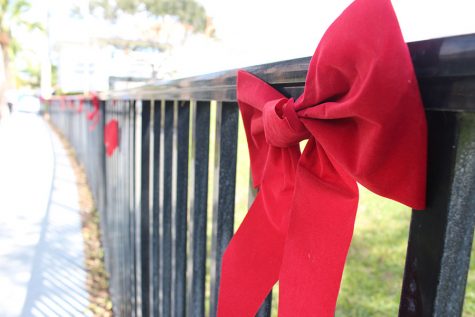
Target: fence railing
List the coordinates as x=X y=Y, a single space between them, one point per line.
x=152 y=193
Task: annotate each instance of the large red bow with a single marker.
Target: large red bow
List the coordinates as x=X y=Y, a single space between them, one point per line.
x=362 y=114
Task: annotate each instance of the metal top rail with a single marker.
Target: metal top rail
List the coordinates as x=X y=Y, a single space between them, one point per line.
x=436 y=61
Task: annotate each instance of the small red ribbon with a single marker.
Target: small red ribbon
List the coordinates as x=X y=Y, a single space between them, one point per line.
x=62 y=103
x=362 y=114
x=94 y=114
x=70 y=103
x=81 y=104
x=111 y=136
x=95 y=104
x=44 y=101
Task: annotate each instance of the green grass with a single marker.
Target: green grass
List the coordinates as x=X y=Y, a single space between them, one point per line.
x=372 y=278
x=469 y=304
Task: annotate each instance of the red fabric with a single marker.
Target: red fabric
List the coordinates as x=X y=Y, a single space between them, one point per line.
x=111 y=136
x=363 y=116
x=81 y=104
x=94 y=114
x=62 y=103
x=70 y=103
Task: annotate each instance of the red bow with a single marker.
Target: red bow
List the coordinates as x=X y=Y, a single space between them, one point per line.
x=70 y=103
x=62 y=103
x=94 y=114
x=363 y=116
x=81 y=104
x=111 y=136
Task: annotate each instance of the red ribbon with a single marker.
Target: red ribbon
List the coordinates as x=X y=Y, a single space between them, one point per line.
x=111 y=136
x=94 y=114
x=62 y=103
x=95 y=104
x=70 y=103
x=81 y=104
x=363 y=116
x=44 y=101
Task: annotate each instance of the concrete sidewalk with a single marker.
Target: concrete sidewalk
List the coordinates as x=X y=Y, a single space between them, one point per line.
x=42 y=269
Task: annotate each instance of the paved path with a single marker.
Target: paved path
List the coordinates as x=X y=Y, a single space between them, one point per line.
x=41 y=249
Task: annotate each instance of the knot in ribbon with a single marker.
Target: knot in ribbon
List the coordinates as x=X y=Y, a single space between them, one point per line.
x=363 y=116
x=281 y=124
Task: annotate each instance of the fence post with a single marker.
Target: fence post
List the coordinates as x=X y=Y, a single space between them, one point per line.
x=440 y=237
x=224 y=189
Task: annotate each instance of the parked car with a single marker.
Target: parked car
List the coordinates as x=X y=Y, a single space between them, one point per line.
x=27 y=103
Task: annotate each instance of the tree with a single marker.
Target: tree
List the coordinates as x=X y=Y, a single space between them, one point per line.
x=11 y=15
x=30 y=76
x=188 y=12
x=158 y=37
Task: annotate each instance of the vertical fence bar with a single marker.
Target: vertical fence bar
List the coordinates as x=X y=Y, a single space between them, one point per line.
x=112 y=172
x=166 y=232
x=115 y=226
x=157 y=124
x=180 y=213
x=122 y=226
x=119 y=203
x=100 y=194
x=132 y=219
x=224 y=190
x=115 y=237
x=97 y=169
x=198 y=209
x=144 y=208
x=440 y=237
x=120 y=246
x=120 y=151
x=124 y=143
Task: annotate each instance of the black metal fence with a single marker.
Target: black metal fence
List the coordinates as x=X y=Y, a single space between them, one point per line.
x=152 y=194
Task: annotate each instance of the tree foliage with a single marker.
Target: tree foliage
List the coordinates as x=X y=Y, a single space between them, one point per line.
x=29 y=76
x=188 y=12
x=12 y=15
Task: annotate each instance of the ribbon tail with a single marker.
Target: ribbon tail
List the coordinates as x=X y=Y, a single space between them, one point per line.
x=251 y=264
x=95 y=122
x=252 y=260
x=319 y=236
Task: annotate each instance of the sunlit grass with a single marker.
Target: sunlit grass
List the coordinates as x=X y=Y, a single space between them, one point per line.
x=469 y=304
x=372 y=279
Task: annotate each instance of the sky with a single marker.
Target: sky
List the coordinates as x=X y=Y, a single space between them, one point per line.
x=254 y=32
x=289 y=29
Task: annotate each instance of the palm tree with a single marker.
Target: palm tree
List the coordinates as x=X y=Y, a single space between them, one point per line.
x=11 y=15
